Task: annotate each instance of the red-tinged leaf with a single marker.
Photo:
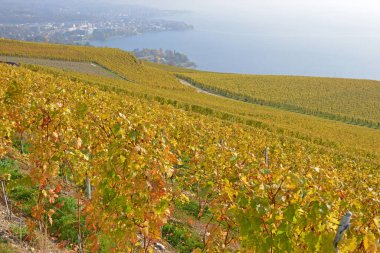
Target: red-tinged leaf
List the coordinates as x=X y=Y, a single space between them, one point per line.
x=58 y=188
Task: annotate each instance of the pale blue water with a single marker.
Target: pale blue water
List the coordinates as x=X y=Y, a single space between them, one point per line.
x=254 y=47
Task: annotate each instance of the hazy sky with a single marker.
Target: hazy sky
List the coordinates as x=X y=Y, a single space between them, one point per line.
x=361 y=16
x=347 y=6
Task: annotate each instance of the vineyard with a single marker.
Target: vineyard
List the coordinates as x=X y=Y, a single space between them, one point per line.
x=143 y=160
x=120 y=160
x=115 y=60
x=159 y=83
x=348 y=100
x=358 y=141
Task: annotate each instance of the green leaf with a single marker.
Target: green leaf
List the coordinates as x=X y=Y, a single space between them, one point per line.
x=289 y=213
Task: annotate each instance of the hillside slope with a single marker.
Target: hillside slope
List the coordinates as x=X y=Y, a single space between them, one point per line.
x=348 y=100
x=116 y=60
x=144 y=160
x=160 y=84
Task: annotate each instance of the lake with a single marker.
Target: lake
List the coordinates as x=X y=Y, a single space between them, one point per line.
x=261 y=47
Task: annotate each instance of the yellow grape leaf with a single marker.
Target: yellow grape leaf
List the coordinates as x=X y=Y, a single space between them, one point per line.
x=55 y=136
x=179 y=162
x=145 y=228
x=5 y=177
x=78 y=143
x=183 y=198
x=169 y=171
x=197 y=250
x=122 y=158
x=370 y=243
x=349 y=245
x=50 y=214
x=377 y=222
x=244 y=180
x=145 y=231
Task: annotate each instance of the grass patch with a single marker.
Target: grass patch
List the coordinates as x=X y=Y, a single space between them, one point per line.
x=192 y=208
x=20 y=190
x=23 y=194
x=19 y=231
x=9 y=166
x=181 y=237
x=65 y=220
x=6 y=248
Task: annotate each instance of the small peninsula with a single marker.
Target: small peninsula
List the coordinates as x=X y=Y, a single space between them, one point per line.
x=169 y=57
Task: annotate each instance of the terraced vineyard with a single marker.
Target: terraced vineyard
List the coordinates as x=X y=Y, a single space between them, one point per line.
x=115 y=60
x=356 y=140
x=165 y=87
x=348 y=100
x=142 y=156
x=164 y=161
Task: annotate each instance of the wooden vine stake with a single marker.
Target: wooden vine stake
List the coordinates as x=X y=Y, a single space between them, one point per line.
x=88 y=187
x=79 y=230
x=22 y=144
x=4 y=178
x=266 y=151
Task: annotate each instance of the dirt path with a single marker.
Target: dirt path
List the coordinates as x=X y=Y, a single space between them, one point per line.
x=199 y=90
x=184 y=82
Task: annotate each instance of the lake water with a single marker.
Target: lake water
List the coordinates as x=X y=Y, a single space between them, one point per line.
x=252 y=46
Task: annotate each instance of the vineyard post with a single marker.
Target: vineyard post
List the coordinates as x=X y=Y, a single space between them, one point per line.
x=88 y=186
x=342 y=228
x=45 y=247
x=6 y=199
x=20 y=229
x=10 y=209
x=80 y=244
x=79 y=231
x=266 y=156
x=22 y=144
x=64 y=172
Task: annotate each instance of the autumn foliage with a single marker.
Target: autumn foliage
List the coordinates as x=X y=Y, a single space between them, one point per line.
x=141 y=156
